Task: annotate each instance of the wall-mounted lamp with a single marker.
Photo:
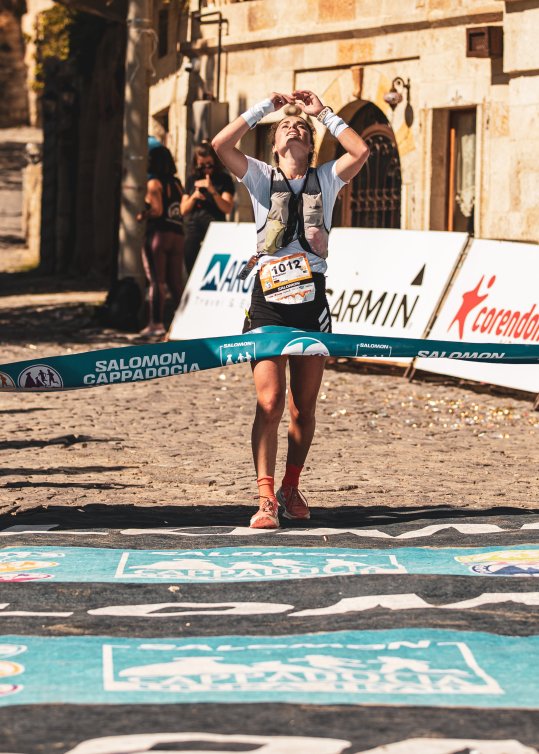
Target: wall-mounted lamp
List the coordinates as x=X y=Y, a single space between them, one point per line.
x=394 y=97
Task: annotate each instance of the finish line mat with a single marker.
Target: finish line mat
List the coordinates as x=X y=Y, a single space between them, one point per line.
x=137 y=363
x=248 y=564
x=275 y=729
x=424 y=667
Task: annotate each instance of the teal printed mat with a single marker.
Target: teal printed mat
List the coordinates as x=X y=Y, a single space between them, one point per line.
x=247 y=564
x=419 y=667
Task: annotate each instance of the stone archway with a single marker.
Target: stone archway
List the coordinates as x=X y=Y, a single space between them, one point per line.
x=373 y=198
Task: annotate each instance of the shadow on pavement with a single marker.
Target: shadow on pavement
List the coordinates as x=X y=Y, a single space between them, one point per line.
x=67 y=470
x=132 y=516
x=65 y=440
x=62 y=322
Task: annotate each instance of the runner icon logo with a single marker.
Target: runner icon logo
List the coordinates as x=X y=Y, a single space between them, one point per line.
x=242 y=564
x=305 y=347
x=340 y=666
x=237 y=353
x=40 y=377
x=6 y=382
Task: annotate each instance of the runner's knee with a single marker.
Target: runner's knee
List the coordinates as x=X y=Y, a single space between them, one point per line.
x=304 y=413
x=271 y=407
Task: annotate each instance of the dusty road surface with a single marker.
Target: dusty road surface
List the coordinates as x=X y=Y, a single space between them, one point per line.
x=137 y=611
x=123 y=547
x=185 y=440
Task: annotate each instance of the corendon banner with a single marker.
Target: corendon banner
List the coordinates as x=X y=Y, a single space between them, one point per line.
x=494 y=298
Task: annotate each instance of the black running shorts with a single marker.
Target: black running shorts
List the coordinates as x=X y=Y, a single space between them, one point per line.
x=313 y=315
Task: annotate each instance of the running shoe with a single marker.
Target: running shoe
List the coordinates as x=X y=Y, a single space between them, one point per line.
x=267 y=516
x=293 y=502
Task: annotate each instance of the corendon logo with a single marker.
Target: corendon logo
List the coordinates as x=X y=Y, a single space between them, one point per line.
x=506 y=323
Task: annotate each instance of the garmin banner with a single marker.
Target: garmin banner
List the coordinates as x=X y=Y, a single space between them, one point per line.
x=383 y=281
x=494 y=298
x=137 y=363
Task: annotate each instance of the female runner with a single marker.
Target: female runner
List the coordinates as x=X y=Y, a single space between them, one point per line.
x=293 y=205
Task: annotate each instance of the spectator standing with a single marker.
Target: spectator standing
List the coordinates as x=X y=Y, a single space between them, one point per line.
x=163 y=252
x=209 y=196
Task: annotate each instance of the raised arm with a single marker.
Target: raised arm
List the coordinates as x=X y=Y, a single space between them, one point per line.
x=225 y=141
x=357 y=152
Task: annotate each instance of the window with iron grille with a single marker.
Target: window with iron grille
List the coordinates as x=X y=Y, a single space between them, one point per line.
x=373 y=198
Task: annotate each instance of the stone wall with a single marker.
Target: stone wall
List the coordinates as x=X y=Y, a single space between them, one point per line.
x=14 y=100
x=351 y=50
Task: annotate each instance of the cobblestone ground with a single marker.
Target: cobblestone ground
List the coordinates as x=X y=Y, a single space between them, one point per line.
x=381 y=440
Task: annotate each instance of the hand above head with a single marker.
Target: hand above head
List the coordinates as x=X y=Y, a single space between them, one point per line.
x=280 y=100
x=307 y=101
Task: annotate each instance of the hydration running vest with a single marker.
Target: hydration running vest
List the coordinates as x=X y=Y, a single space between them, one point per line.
x=294 y=216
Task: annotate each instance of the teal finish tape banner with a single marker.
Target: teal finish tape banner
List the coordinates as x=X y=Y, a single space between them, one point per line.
x=418 y=667
x=136 y=363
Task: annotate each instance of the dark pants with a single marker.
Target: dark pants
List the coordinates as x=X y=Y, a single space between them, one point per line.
x=163 y=264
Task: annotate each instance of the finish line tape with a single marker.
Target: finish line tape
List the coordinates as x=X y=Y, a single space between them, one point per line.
x=136 y=363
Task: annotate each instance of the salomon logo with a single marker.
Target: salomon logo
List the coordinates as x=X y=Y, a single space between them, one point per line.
x=305 y=347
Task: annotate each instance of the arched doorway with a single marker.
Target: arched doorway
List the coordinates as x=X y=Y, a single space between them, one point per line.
x=373 y=198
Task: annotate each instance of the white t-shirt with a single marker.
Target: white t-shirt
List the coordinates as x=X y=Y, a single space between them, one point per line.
x=257 y=181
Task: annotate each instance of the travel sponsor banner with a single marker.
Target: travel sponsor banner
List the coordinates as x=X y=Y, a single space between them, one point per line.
x=494 y=298
x=418 y=667
x=148 y=362
x=249 y=564
x=215 y=299
x=388 y=282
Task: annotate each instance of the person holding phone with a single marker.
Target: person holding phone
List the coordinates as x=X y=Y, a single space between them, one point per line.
x=209 y=196
x=293 y=204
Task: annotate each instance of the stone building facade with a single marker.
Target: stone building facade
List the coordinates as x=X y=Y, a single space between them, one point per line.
x=13 y=99
x=460 y=151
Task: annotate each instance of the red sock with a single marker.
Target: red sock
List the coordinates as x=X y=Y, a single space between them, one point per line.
x=266 y=486
x=291 y=475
